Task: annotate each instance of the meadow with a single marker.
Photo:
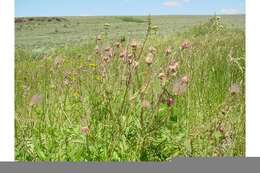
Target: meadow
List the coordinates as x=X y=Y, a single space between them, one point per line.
x=124 y=88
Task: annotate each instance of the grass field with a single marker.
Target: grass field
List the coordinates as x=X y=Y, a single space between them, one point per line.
x=129 y=88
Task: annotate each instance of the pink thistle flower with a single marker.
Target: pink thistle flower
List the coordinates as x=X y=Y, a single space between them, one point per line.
x=170 y=102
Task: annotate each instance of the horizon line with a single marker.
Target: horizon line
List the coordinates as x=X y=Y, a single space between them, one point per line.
x=137 y=15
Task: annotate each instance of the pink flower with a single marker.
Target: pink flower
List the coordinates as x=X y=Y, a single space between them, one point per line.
x=170 y=102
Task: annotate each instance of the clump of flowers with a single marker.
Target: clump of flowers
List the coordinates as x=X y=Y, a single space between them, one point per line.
x=137 y=87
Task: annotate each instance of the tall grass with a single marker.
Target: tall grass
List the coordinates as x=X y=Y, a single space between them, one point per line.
x=134 y=100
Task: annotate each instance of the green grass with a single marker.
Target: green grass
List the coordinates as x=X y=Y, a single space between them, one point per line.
x=75 y=89
x=40 y=34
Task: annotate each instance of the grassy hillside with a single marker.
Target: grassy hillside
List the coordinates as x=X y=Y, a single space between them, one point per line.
x=42 y=33
x=152 y=94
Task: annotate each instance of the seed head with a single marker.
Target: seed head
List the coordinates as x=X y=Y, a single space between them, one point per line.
x=149 y=59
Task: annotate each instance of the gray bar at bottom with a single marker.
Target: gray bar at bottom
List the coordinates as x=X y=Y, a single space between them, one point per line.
x=180 y=165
